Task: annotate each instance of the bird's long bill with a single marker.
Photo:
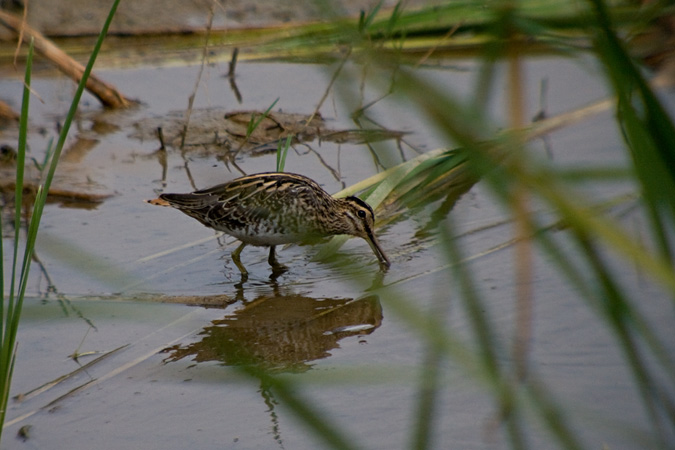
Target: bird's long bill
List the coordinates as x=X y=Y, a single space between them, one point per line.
x=372 y=241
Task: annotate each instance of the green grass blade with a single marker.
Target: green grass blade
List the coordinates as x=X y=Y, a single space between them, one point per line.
x=365 y=20
x=20 y=167
x=430 y=380
x=255 y=122
x=2 y=285
x=648 y=130
x=10 y=316
x=282 y=151
x=285 y=391
x=619 y=315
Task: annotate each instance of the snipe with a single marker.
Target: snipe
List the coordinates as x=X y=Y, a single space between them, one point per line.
x=270 y=209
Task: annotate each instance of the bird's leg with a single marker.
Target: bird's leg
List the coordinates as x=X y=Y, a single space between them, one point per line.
x=237 y=261
x=272 y=260
x=277 y=269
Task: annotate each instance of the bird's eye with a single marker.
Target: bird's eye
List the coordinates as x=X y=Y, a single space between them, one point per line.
x=362 y=214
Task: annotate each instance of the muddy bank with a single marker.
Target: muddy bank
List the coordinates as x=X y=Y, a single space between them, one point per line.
x=83 y=17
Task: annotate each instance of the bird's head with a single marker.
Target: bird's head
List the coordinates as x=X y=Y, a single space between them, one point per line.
x=359 y=220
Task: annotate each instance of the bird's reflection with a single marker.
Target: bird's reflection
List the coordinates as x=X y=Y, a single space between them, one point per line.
x=277 y=332
x=282 y=332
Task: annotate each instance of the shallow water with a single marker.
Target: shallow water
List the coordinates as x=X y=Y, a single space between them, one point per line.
x=161 y=289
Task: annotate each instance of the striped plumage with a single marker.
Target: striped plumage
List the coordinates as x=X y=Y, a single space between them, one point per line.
x=270 y=209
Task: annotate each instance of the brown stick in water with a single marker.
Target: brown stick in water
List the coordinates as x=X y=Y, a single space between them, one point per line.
x=106 y=93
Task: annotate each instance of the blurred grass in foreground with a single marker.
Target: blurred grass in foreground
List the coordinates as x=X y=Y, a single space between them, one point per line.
x=517 y=178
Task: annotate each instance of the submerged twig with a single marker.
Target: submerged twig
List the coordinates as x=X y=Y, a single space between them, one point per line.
x=330 y=85
x=45 y=387
x=334 y=172
x=441 y=42
x=191 y=99
x=24 y=15
x=162 y=156
x=160 y=137
x=233 y=62
x=231 y=77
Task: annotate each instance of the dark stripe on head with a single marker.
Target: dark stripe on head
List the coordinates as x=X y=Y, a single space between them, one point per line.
x=361 y=203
